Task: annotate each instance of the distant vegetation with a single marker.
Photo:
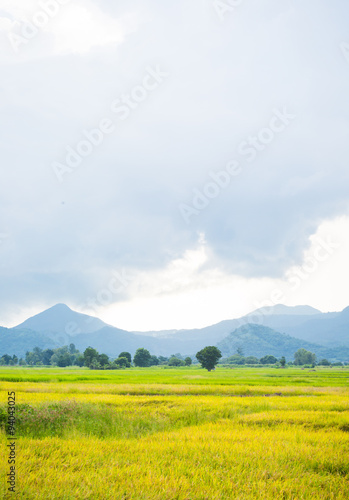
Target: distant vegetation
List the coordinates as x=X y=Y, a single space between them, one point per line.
x=208 y=357
x=91 y=358
x=301 y=357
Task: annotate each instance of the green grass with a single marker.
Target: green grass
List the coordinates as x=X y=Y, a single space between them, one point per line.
x=321 y=377
x=179 y=434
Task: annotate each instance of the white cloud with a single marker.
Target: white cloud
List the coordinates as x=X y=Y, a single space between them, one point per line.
x=5 y=24
x=325 y=284
x=19 y=9
x=185 y=295
x=83 y=26
x=75 y=27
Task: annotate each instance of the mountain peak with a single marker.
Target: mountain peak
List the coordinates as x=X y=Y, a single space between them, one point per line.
x=60 y=318
x=59 y=307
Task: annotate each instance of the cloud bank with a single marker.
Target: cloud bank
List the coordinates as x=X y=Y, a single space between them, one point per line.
x=121 y=208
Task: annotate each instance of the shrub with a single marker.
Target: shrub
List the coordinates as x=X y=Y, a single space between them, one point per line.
x=176 y=362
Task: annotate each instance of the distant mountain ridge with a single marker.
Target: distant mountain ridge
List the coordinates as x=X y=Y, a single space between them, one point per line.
x=330 y=329
x=280 y=309
x=256 y=340
x=60 y=325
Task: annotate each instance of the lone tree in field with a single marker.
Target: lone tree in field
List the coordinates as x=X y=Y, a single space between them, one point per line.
x=208 y=357
x=304 y=357
x=142 y=357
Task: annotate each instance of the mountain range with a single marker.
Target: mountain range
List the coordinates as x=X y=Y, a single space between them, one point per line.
x=279 y=330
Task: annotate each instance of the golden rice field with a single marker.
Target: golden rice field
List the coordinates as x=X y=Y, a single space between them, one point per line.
x=178 y=434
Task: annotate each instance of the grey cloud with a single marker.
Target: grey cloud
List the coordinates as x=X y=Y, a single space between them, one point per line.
x=120 y=207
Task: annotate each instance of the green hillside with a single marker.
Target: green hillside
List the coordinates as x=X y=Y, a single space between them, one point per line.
x=18 y=341
x=257 y=340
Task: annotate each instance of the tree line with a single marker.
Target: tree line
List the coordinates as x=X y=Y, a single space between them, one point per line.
x=208 y=357
x=91 y=358
x=302 y=357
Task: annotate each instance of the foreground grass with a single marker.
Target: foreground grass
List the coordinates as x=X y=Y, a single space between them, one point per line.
x=197 y=438
x=219 y=460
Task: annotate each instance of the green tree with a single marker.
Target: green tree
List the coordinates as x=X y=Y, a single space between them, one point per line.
x=188 y=361
x=46 y=356
x=174 y=361
x=63 y=359
x=162 y=360
x=251 y=360
x=122 y=361
x=153 y=360
x=324 y=362
x=304 y=357
x=6 y=358
x=236 y=359
x=37 y=351
x=283 y=361
x=142 y=357
x=79 y=360
x=89 y=355
x=178 y=355
x=32 y=358
x=95 y=365
x=268 y=360
x=126 y=355
x=209 y=357
x=103 y=359
x=72 y=349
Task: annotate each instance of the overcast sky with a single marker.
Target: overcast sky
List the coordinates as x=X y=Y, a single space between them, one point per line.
x=173 y=164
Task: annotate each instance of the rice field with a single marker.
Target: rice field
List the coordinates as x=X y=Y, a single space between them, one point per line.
x=178 y=434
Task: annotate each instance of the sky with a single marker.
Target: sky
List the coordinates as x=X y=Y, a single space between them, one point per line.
x=169 y=165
